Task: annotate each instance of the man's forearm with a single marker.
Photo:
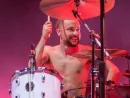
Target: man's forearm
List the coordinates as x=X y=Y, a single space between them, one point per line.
x=113 y=75
x=113 y=71
x=39 y=51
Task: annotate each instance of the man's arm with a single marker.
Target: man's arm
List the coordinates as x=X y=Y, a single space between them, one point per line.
x=41 y=50
x=113 y=72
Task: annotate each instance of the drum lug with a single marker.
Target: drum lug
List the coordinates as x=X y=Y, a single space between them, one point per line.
x=26 y=69
x=10 y=91
x=61 y=85
x=17 y=81
x=18 y=96
x=43 y=95
x=17 y=72
x=43 y=78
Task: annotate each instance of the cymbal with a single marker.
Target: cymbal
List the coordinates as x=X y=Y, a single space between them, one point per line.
x=62 y=9
x=87 y=53
x=119 y=91
x=127 y=74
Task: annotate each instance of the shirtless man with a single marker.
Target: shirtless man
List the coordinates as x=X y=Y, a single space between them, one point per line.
x=73 y=70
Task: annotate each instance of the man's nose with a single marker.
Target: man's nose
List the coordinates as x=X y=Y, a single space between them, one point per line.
x=76 y=32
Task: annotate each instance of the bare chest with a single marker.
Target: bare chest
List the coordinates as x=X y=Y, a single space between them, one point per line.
x=67 y=64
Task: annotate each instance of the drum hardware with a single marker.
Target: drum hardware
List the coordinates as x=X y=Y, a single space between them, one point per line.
x=18 y=96
x=10 y=91
x=43 y=95
x=17 y=81
x=17 y=72
x=62 y=85
x=43 y=78
x=95 y=40
x=29 y=86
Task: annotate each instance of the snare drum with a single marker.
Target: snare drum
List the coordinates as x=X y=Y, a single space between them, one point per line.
x=43 y=83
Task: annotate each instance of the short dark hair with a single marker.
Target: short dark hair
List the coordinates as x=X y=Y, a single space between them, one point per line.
x=58 y=23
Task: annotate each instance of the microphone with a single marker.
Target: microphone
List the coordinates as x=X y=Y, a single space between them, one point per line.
x=32 y=59
x=32 y=51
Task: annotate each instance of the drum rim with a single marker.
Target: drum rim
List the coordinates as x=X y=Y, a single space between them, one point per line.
x=38 y=70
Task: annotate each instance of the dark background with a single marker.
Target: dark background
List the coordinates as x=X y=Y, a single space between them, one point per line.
x=21 y=24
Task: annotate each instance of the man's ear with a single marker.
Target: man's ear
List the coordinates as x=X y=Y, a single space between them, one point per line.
x=58 y=32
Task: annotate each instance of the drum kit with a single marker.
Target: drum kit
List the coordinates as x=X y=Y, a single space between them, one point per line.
x=40 y=82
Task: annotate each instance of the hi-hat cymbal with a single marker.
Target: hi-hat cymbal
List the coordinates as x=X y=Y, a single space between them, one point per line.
x=87 y=53
x=119 y=91
x=62 y=9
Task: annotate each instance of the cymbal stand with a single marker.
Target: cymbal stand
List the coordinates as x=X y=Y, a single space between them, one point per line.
x=128 y=63
x=94 y=39
x=128 y=70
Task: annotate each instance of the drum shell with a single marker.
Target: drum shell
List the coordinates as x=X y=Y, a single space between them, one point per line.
x=45 y=84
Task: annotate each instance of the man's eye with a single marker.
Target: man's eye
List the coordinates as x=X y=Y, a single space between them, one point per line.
x=71 y=29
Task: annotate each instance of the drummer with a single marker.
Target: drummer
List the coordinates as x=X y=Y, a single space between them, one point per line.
x=74 y=70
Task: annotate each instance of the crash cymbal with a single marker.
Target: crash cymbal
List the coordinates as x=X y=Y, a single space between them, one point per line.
x=87 y=53
x=62 y=9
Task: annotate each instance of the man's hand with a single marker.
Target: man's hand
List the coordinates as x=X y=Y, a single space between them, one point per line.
x=47 y=29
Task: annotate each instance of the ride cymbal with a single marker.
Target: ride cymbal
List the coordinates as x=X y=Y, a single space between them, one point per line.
x=87 y=53
x=62 y=9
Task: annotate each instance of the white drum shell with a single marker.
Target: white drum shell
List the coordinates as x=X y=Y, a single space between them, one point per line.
x=46 y=85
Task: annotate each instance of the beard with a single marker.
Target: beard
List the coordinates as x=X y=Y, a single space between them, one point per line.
x=72 y=41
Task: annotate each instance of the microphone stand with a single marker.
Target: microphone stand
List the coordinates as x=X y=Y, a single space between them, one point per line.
x=94 y=39
x=32 y=59
x=31 y=69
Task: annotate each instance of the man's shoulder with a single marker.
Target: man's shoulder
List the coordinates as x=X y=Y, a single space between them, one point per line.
x=50 y=48
x=47 y=47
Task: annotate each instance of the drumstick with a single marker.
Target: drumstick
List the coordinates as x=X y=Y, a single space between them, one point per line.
x=48 y=19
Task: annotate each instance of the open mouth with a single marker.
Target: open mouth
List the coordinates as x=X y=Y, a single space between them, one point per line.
x=74 y=39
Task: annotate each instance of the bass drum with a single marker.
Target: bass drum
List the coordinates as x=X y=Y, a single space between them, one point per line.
x=42 y=83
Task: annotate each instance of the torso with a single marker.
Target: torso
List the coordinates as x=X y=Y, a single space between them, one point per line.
x=74 y=71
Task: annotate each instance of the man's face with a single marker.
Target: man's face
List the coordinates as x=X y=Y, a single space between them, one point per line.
x=70 y=32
